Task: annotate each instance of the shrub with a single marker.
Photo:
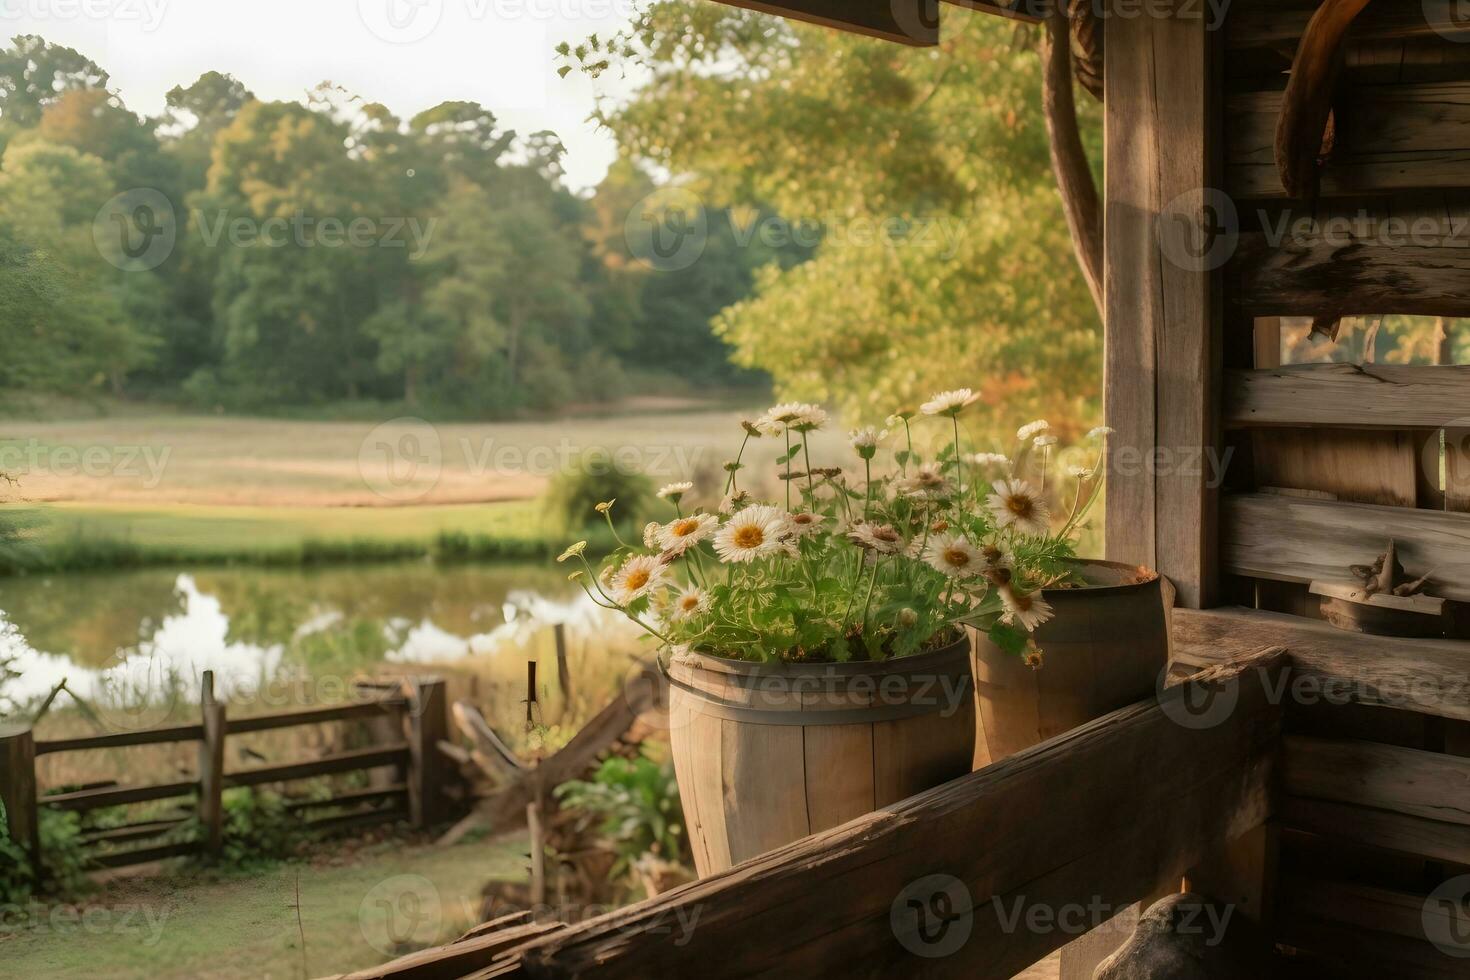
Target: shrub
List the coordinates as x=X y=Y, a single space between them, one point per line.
x=258 y=829
x=573 y=496
x=638 y=801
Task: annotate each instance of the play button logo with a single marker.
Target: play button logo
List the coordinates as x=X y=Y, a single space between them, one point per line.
x=401 y=21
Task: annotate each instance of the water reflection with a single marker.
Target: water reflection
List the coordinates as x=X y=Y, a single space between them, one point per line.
x=160 y=629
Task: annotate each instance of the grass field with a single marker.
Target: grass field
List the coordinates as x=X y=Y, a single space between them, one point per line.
x=244 y=927
x=138 y=489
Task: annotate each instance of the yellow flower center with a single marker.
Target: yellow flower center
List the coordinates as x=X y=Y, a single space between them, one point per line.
x=684 y=528
x=1023 y=602
x=749 y=536
x=689 y=603
x=637 y=579
x=1020 y=505
x=957 y=558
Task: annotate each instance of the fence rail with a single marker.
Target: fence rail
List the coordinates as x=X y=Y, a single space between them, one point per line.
x=417 y=708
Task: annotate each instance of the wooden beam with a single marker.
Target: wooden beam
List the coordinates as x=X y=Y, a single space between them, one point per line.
x=1332 y=666
x=384 y=755
x=834 y=905
x=912 y=22
x=1387 y=138
x=1027 y=11
x=117 y=740
x=1294 y=539
x=1382 y=829
x=357 y=711
x=92 y=799
x=475 y=950
x=1273 y=23
x=1162 y=339
x=1369 y=396
x=1347 y=274
x=1431 y=785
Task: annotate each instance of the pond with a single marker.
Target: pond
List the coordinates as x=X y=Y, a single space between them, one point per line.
x=288 y=637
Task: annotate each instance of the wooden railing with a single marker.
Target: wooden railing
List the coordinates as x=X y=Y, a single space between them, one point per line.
x=417 y=710
x=1096 y=818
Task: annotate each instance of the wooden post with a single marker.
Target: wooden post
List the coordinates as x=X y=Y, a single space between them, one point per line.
x=563 y=669
x=427 y=724
x=18 y=787
x=537 y=828
x=211 y=767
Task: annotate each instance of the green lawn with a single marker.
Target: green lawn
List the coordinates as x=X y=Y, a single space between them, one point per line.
x=174 y=927
x=244 y=529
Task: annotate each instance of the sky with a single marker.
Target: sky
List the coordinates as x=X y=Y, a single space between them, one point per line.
x=406 y=54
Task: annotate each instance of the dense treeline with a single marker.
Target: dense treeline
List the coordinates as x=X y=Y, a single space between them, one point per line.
x=240 y=254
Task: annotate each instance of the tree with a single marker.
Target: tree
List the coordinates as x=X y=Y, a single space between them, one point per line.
x=35 y=73
x=944 y=256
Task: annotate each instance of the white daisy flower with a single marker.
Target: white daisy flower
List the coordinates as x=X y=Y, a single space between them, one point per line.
x=948 y=402
x=1101 y=432
x=637 y=578
x=1028 y=609
x=954 y=555
x=1079 y=472
x=1017 y=505
x=1031 y=430
x=881 y=538
x=679 y=536
x=691 y=602
x=865 y=440
x=1045 y=441
x=801 y=416
x=988 y=459
x=804 y=524
x=651 y=532
x=754 y=532
x=674 y=491
x=733 y=501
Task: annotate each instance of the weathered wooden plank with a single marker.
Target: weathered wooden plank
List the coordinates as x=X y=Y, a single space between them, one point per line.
x=18 y=785
x=824 y=906
x=1389 y=777
x=1346 y=273
x=1162 y=365
x=1328 y=949
x=1383 y=829
x=1332 y=666
x=1367 y=396
x=1365 y=467
x=1277 y=22
x=913 y=22
x=93 y=799
x=385 y=755
x=1389 y=138
x=1293 y=539
x=357 y=711
x=476 y=950
x=117 y=740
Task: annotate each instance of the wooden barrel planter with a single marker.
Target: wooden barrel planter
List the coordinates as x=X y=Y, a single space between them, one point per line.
x=1105 y=648
x=766 y=754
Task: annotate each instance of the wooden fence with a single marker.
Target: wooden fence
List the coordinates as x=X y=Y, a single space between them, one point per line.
x=411 y=719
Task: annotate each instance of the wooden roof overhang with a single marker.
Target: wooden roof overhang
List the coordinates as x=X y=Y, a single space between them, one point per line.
x=913 y=22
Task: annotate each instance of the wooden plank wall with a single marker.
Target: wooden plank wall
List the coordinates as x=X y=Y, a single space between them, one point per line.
x=1336 y=458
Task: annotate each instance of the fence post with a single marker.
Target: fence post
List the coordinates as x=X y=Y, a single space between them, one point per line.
x=428 y=724
x=211 y=767
x=18 y=787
